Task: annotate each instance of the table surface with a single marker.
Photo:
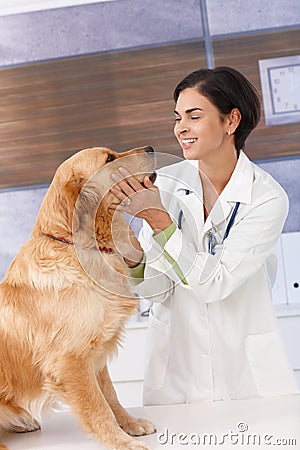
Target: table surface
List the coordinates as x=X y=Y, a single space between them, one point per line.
x=237 y=424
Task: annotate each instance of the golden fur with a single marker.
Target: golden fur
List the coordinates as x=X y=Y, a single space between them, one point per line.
x=63 y=306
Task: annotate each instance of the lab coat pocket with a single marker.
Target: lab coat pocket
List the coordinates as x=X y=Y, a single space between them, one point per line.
x=269 y=365
x=159 y=349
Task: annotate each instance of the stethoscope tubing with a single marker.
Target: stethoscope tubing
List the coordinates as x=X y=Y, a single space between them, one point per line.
x=231 y=220
x=228 y=228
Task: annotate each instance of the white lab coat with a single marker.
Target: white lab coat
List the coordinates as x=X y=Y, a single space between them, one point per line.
x=217 y=336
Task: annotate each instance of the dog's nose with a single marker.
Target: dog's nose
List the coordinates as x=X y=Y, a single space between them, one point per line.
x=149 y=149
x=152 y=177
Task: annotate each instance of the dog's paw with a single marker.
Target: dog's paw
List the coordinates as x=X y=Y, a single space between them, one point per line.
x=26 y=428
x=138 y=427
x=136 y=445
x=127 y=443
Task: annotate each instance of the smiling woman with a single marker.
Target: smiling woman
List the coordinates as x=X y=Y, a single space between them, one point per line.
x=213 y=333
x=199 y=130
x=218 y=94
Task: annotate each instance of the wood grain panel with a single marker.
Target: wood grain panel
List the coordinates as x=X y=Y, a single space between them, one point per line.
x=243 y=54
x=121 y=100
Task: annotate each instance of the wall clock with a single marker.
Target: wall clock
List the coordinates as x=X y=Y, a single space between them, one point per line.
x=280 y=81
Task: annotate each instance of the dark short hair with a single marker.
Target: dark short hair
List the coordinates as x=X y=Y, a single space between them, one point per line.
x=226 y=88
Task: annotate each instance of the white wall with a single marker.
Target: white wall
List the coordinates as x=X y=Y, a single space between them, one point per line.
x=21 y=6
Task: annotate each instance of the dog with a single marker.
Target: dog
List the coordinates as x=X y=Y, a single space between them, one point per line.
x=64 y=302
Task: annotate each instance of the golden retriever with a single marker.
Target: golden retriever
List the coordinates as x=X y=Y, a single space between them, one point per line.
x=64 y=302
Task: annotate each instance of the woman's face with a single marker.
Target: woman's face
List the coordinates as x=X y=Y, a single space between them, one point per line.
x=199 y=127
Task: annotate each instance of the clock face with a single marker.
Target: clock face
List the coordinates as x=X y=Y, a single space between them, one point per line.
x=280 y=81
x=285 y=87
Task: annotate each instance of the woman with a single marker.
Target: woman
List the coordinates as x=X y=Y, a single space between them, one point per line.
x=210 y=228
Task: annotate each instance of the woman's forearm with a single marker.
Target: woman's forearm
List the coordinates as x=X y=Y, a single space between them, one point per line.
x=158 y=220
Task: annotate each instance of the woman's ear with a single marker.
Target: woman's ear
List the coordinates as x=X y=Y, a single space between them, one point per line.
x=233 y=120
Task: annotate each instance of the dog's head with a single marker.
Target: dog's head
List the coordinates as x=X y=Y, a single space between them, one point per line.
x=79 y=196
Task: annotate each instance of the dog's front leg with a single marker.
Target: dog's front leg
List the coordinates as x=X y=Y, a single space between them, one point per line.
x=78 y=385
x=133 y=426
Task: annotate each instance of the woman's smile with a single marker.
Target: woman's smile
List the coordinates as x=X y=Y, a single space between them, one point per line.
x=186 y=143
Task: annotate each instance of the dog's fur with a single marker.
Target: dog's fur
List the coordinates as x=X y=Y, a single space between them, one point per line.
x=63 y=305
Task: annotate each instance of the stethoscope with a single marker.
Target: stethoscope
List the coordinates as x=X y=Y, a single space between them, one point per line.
x=211 y=234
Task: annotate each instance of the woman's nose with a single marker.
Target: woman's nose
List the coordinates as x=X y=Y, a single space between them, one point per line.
x=181 y=128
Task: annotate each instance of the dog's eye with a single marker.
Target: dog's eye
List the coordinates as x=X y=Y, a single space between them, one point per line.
x=110 y=158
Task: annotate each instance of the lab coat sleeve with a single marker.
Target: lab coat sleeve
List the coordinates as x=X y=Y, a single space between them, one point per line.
x=251 y=241
x=156 y=284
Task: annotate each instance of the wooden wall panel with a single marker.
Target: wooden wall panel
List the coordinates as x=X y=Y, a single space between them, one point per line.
x=121 y=100
x=243 y=54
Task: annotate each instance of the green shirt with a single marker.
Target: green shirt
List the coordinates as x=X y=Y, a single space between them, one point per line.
x=137 y=273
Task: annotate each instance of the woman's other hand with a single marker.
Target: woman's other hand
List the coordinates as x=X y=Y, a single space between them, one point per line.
x=139 y=200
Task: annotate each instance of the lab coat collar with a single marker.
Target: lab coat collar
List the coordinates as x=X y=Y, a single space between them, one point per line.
x=191 y=205
x=238 y=189
x=192 y=209
x=189 y=178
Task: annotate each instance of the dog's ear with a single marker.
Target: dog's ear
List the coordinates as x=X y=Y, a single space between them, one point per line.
x=82 y=199
x=69 y=204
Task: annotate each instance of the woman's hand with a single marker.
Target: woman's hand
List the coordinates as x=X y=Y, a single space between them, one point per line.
x=139 y=200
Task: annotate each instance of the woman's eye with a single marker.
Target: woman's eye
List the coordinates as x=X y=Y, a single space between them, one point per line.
x=195 y=117
x=110 y=158
x=177 y=119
